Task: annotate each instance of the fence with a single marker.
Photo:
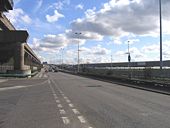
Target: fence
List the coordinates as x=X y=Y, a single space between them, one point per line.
x=146 y=73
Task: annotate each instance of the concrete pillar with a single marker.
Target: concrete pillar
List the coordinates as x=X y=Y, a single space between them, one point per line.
x=19 y=57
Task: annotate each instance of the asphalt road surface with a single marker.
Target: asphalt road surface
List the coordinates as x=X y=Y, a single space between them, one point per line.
x=59 y=100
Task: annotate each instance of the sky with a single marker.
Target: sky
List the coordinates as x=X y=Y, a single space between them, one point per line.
x=103 y=27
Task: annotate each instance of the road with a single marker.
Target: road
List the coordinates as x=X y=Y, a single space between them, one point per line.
x=59 y=100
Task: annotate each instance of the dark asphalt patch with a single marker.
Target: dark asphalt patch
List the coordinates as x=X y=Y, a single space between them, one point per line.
x=94 y=86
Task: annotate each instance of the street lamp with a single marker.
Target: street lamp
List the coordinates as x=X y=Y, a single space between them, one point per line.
x=129 y=57
x=111 y=61
x=160 y=16
x=78 y=50
x=62 y=50
x=129 y=60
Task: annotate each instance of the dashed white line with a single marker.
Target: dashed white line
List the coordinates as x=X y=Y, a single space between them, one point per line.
x=40 y=75
x=68 y=101
x=45 y=75
x=59 y=105
x=62 y=111
x=75 y=111
x=65 y=97
x=57 y=101
x=54 y=94
x=56 y=97
x=82 y=119
x=71 y=105
x=65 y=120
x=49 y=81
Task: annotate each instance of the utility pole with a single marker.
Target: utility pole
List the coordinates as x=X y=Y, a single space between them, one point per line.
x=78 y=54
x=160 y=16
x=111 y=62
x=129 y=57
x=129 y=60
x=62 y=57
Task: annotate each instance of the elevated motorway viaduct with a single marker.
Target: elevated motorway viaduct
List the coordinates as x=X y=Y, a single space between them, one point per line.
x=16 y=57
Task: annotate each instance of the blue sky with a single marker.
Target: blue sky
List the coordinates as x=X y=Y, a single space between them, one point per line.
x=106 y=27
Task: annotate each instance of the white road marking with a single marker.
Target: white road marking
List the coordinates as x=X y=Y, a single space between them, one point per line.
x=9 y=88
x=59 y=105
x=20 y=86
x=68 y=101
x=54 y=95
x=60 y=91
x=62 y=94
x=82 y=119
x=57 y=101
x=65 y=120
x=65 y=97
x=40 y=75
x=71 y=105
x=75 y=111
x=62 y=111
x=49 y=81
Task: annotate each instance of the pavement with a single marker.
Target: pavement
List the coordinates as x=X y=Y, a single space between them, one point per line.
x=59 y=100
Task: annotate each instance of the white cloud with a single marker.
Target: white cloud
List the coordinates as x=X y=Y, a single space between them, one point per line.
x=117 y=41
x=54 y=17
x=166 y=26
x=58 y=5
x=79 y=6
x=18 y=16
x=132 y=41
x=26 y=19
x=38 y=5
x=95 y=54
x=90 y=13
x=51 y=43
x=95 y=50
x=145 y=53
x=85 y=35
x=17 y=1
x=118 y=17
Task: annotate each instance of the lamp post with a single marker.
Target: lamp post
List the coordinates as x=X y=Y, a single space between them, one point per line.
x=62 y=50
x=129 y=60
x=111 y=61
x=129 y=57
x=78 y=54
x=160 y=16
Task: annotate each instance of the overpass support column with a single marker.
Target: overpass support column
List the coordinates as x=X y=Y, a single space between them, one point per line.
x=19 y=57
